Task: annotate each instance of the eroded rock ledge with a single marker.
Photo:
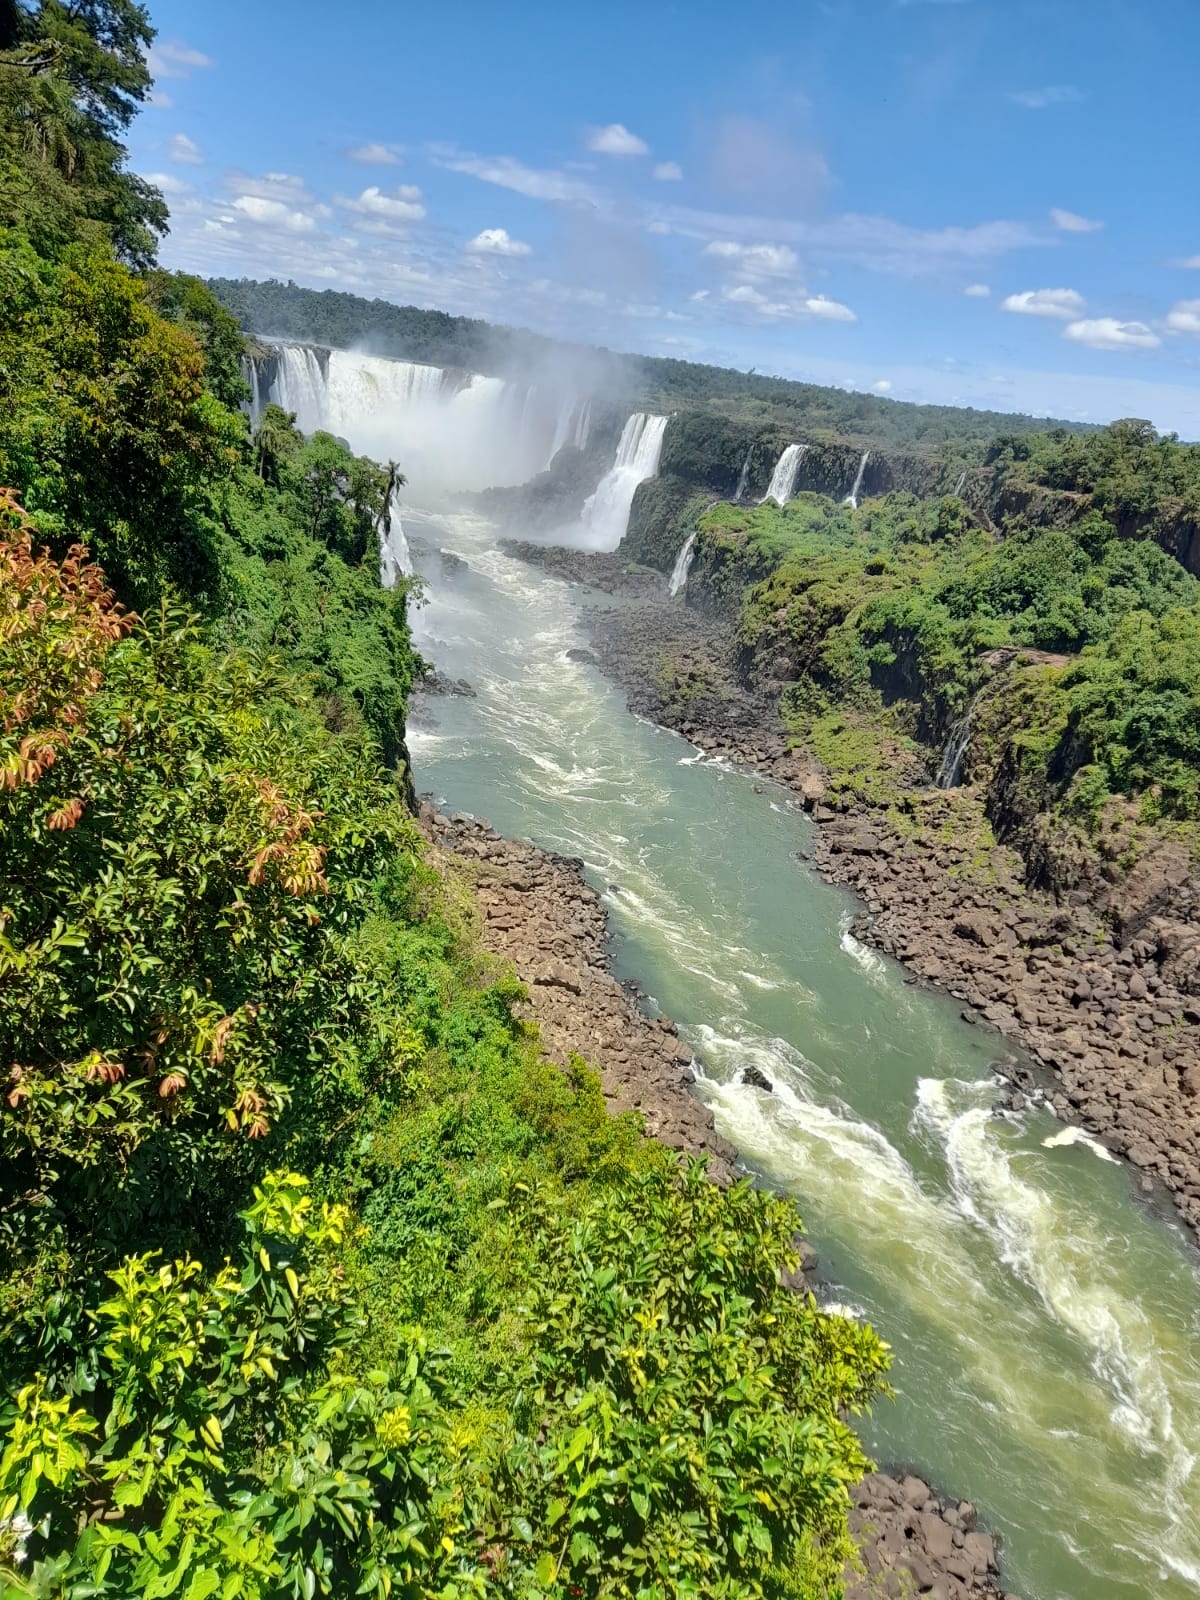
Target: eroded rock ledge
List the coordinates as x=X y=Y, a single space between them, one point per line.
x=536 y=910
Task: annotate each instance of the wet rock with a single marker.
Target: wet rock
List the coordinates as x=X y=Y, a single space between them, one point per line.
x=757 y=1079
x=439 y=683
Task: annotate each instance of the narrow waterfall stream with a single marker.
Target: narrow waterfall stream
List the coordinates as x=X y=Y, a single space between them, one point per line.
x=1046 y=1326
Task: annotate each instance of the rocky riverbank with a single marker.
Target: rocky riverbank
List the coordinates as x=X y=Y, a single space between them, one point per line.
x=536 y=910
x=1105 y=1003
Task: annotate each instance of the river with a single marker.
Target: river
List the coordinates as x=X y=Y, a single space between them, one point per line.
x=1045 y=1324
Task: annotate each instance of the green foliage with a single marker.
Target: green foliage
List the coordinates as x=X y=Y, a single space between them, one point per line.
x=71 y=79
x=895 y=605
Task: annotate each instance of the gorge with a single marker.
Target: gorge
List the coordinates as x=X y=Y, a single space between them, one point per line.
x=1043 y=1320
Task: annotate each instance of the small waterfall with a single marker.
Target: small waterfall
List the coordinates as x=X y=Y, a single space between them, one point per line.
x=783 y=479
x=851 y=499
x=958 y=487
x=395 y=560
x=683 y=563
x=572 y=426
x=949 y=774
x=583 y=425
x=605 y=514
x=743 y=477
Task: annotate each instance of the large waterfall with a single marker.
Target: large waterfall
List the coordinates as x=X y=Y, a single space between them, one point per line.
x=446 y=429
x=851 y=499
x=783 y=479
x=605 y=513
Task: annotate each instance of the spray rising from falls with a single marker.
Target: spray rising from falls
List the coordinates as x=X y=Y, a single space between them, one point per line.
x=851 y=499
x=447 y=429
x=683 y=563
x=743 y=476
x=783 y=479
x=605 y=514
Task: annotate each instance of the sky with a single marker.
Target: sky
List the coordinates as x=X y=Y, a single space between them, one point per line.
x=969 y=202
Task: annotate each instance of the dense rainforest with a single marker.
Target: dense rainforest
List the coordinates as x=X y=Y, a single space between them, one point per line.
x=347 y=321
x=314 y=1278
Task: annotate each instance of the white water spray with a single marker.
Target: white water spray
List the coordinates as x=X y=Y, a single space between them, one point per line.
x=783 y=480
x=851 y=499
x=605 y=514
x=446 y=429
x=683 y=563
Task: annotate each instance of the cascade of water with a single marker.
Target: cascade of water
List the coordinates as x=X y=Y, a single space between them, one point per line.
x=958 y=487
x=783 y=479
x=743 y=476
x=683 y=563
x=446 y=429
x=949 y=773
x=851 y=499
x=605 y=514
x=583 y=425
x=394 y=557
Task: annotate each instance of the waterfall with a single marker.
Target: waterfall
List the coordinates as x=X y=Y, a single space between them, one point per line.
x=605 y=514
x=446 y=429
x=958 y=487
x=683 y=563
x=851 y=499
x=573 y=425
x=743 y=476
x=394 y=558
x=949 y=774
x=783 y=479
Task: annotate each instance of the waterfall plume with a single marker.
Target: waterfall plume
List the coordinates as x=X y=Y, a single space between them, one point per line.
x=783 y=480
x=605 y=514
x=683 y=563
x=851 y=499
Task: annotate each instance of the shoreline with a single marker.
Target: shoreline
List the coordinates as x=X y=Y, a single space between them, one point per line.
x=537 y=911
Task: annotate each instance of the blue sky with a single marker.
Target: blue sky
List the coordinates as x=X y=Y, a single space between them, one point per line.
x=987 y=202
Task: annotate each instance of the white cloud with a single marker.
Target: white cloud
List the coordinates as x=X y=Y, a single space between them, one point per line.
x=274 y=214
x=402 y=205
x=284 y=186
x=168 y=182
x=184 y=152
x=755 y=260
x=1054 y=94
x=1189 y=263
x=533 y=182
x=376 y=155
x=1106 y=333
x=882 y=385
x=1063 y=303
x=496 y=242
x=1184 y=317
x=668 y=171
x=616 y=140
x=831 y=310
x=167 y=60
x=1072 y=222
x=816 y=305
x=977 y=291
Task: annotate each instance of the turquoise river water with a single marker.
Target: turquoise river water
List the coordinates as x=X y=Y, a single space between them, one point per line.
x=1046 y=1325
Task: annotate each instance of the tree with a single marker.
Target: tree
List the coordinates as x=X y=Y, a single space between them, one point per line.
x=71 y=79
